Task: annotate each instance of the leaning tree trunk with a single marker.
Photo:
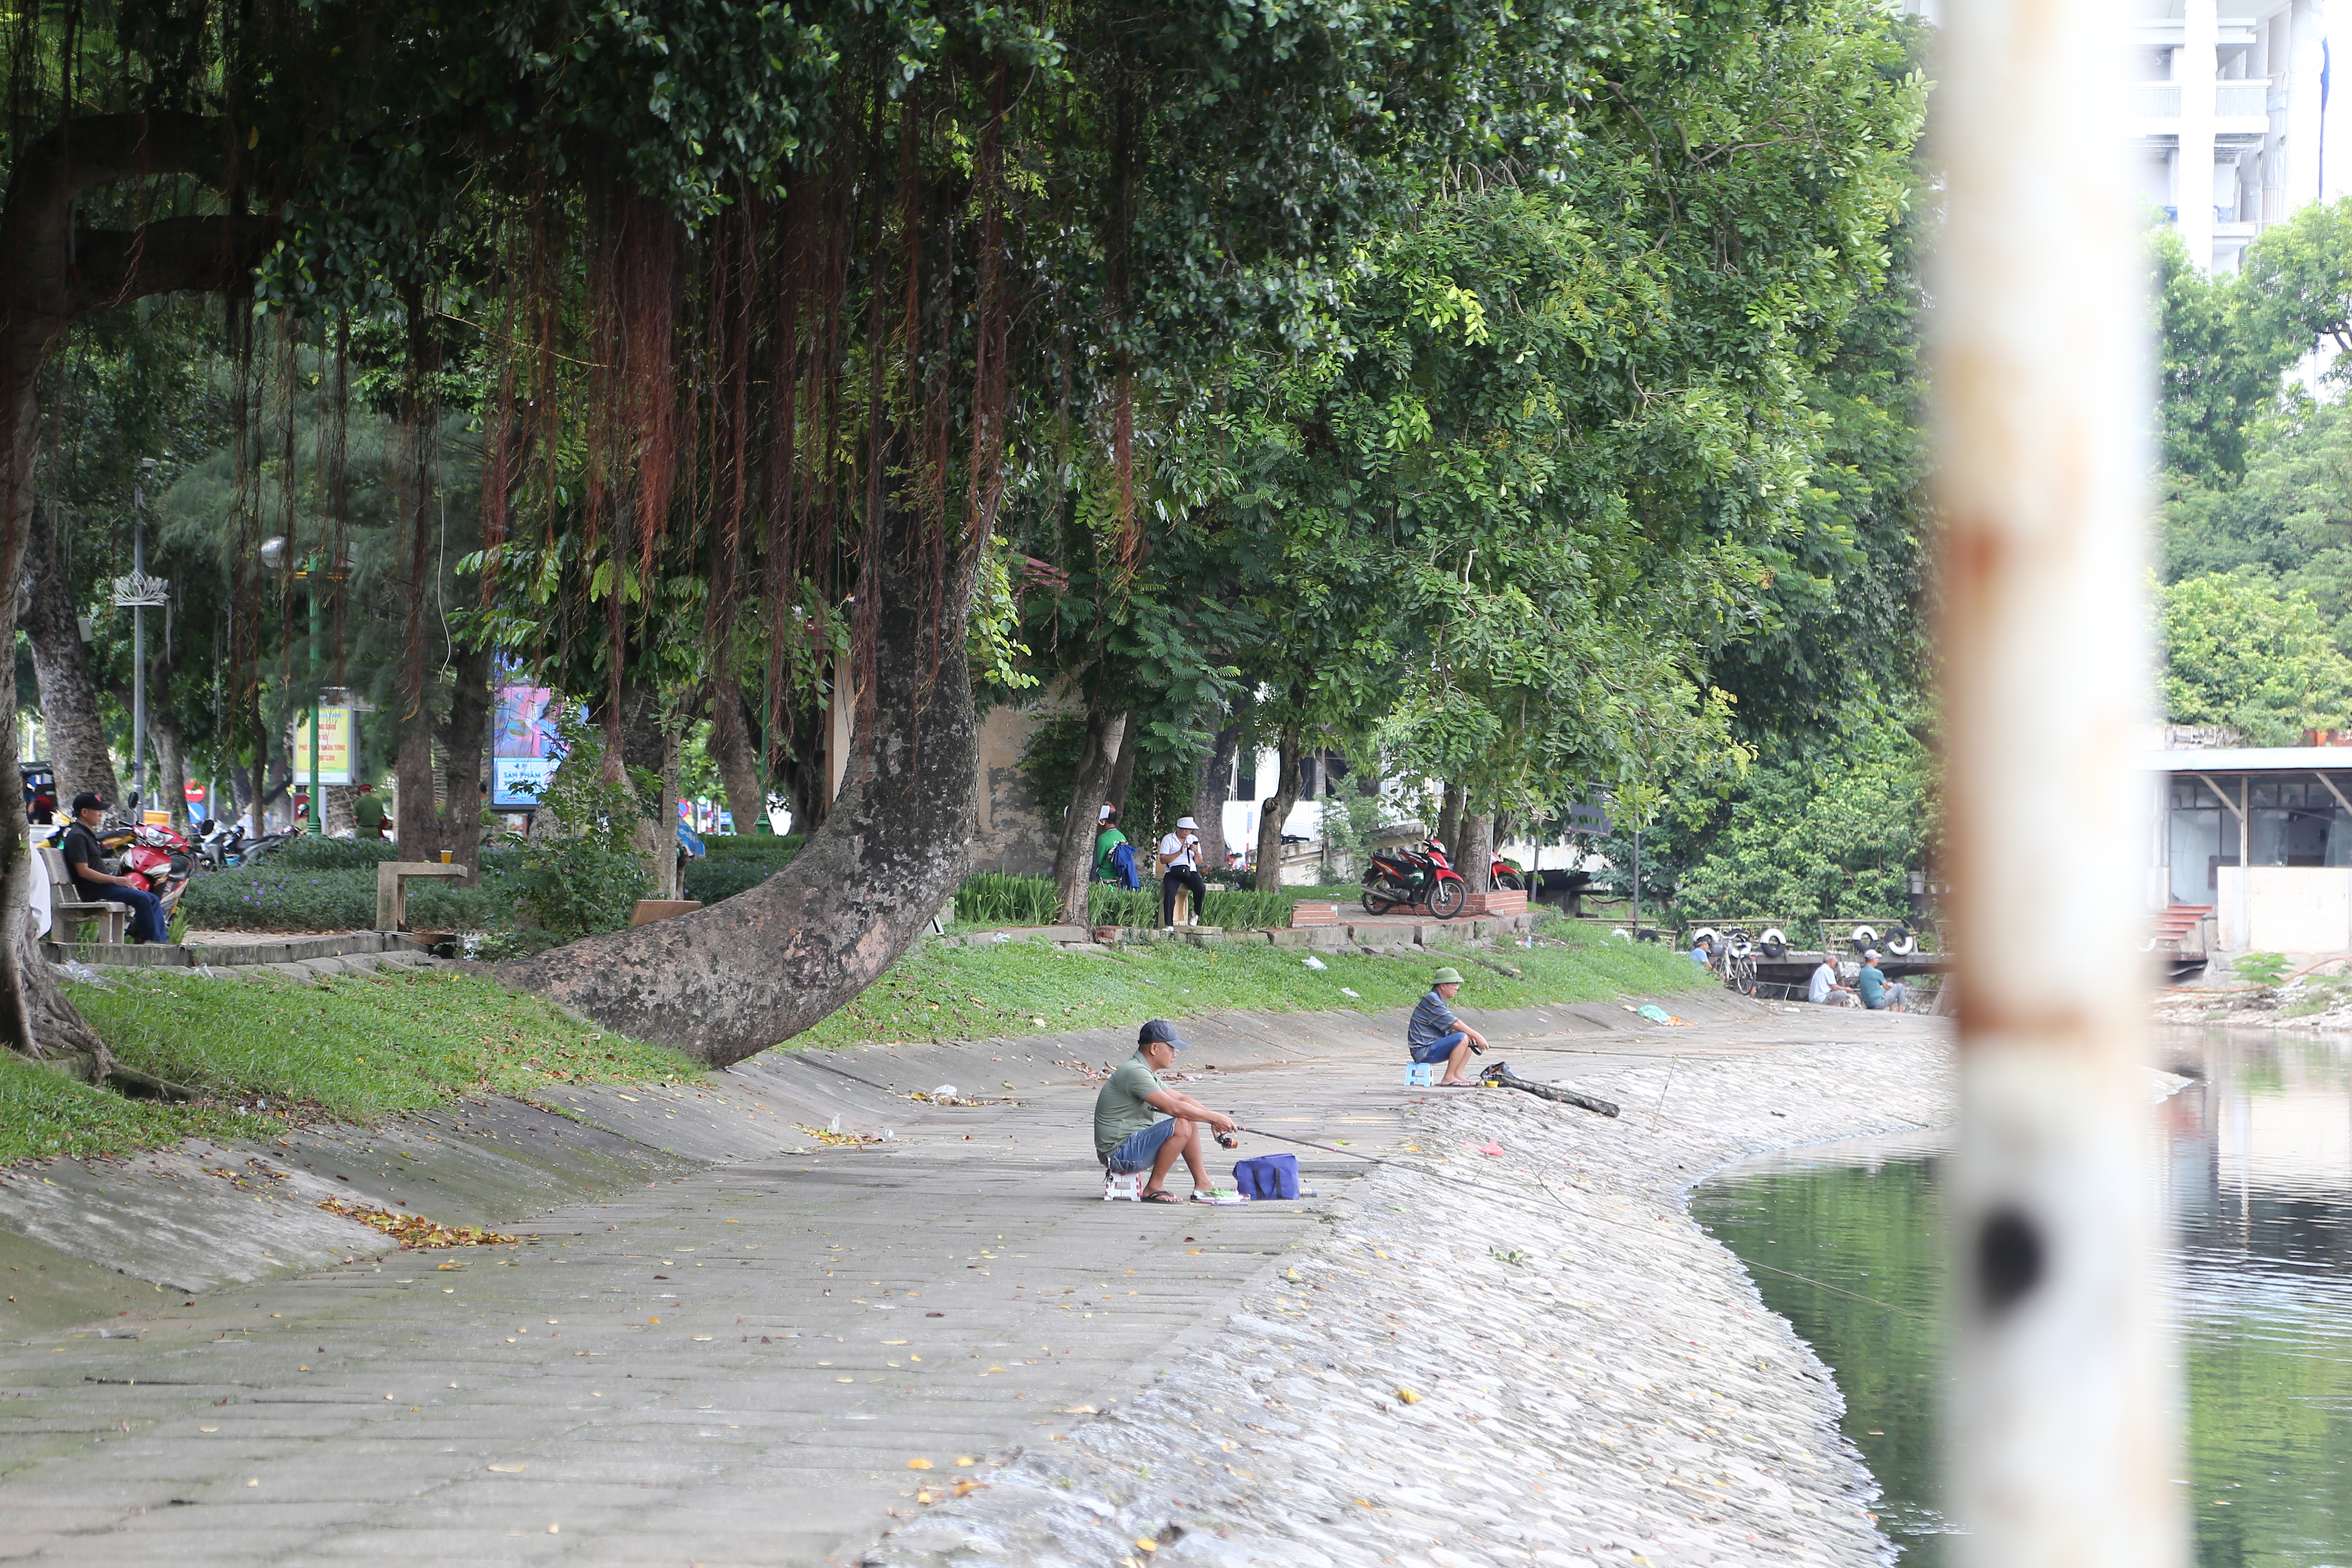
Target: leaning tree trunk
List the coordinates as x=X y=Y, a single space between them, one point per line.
x=1073 y=860
x=1216 y=787
x=727 y=982
x=464 y=740
x=1122 y=772
x=171 y=784
x=77 y=735
x=1276 y=809
x=53 y=272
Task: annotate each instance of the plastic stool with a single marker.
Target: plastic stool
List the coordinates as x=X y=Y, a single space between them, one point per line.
x=1421 y=1075
x=1129 y=1186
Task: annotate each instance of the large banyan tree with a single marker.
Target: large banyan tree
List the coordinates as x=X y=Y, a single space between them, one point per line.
x=805 y=294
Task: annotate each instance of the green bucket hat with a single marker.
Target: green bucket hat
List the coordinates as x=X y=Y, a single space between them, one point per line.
x=1446 y=977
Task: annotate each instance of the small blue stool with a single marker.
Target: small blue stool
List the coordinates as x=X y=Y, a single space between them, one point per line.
x=1421 y=1075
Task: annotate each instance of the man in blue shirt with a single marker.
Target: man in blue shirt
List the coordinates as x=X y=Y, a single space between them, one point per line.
x=1434 y=1034
x=1879 y=993
x=1702 y=954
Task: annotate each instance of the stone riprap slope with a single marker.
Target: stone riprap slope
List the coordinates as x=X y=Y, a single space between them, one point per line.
x=1558 y=1367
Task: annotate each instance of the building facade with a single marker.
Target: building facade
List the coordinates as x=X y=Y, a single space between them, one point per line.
x=2262 y=837
x=2227 y=105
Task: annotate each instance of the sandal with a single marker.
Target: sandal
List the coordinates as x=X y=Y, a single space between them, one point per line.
x=1162 y=1196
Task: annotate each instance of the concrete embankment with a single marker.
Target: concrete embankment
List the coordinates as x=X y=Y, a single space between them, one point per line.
x=724 y=1339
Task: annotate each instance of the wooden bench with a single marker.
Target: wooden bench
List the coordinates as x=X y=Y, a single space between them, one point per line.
x=68 y=907
x=392 y=880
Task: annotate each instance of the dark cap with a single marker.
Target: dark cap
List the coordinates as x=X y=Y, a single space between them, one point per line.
x=88 y=799
x=1160 y=1030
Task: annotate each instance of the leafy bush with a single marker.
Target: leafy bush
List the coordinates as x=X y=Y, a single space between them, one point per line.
x=315 y=854
x=278 y=895
x=2260 y=968
x=994 y=898
x=734 y=862
x=589 y=879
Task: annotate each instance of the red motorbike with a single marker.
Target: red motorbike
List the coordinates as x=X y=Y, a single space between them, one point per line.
x=1508 y=874
x=156 y=858
x=1410 y=876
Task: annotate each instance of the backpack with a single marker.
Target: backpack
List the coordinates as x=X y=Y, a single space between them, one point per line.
x=1268 y=1176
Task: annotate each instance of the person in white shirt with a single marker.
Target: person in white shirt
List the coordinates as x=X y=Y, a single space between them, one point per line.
x=1824 y=991
x=1180 y=866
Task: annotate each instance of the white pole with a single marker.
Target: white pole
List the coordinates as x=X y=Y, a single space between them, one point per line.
x=2065 y=1418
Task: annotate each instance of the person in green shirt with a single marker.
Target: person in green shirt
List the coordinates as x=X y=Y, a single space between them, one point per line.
x=1129 y=1133
x=1107 y=840
x=367 y=811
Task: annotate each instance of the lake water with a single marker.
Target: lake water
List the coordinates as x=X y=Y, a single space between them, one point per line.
x=2256 y=1170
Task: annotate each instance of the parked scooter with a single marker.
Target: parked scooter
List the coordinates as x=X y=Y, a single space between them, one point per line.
x=221 y=845
x=156 y=860
x=1423 y=876
x=1507 y=875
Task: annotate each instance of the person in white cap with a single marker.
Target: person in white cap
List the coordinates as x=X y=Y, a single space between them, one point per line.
x=1108 y=838
x=1878 y=993
x=1180 y=866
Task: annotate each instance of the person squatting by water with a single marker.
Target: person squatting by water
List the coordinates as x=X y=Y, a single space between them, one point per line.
x=1434 y=1034
x=1823 y=989
x=1179 y=864
x=1129 y=1133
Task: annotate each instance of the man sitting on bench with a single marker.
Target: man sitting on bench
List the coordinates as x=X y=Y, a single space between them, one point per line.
x=1130 y=1136
x=86 y=858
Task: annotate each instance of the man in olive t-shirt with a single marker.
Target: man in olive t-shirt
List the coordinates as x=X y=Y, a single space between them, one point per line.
x=1130 y=1135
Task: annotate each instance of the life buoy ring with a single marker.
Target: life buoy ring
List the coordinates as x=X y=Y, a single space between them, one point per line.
x=1864 y=937
x=1774 y=941
x=1902 y=941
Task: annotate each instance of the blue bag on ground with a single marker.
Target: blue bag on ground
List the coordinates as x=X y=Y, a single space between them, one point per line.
x=1268 y=1176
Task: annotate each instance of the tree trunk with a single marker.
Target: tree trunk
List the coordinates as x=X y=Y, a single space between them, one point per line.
x=1122 y=771
x=1074 y=861
x=465 y=741
x=171 y=786
x=1276 y=808
x=732 y=980
x=77 y=735
x=1449 y=818
x=731 y=749
x=53 y=272
x=1215 y=789
x=1475 y=855
x=415 y=823
x=646 y=738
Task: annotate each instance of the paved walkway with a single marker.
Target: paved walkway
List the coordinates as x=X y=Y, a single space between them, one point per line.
x=724 y=1341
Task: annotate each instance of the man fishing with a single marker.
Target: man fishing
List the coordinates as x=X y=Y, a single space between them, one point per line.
x=1434 y=1034
x=1129 y=1133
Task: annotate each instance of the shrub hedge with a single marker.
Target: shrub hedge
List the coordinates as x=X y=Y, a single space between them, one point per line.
x=734 y=861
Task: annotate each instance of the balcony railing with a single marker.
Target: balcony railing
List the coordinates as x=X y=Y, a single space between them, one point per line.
x=2246 y=99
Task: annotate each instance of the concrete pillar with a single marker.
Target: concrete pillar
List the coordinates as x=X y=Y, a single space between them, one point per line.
x=2307 y=30
x=2194 y=70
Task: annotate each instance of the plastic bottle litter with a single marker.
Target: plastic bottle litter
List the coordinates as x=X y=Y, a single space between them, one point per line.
x=1351 y=991
x=836 y=1122
x=1313 y=962
x=945 y=1091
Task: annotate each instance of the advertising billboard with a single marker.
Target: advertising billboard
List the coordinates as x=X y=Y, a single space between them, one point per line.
x=523 y=747
x=335 y=732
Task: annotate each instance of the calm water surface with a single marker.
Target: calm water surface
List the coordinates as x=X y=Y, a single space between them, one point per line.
x=2257 y=1178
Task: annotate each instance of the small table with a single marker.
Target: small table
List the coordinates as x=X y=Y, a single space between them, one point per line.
x=392 y=888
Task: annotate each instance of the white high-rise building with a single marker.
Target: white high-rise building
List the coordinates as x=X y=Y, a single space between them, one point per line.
x=2228 y=105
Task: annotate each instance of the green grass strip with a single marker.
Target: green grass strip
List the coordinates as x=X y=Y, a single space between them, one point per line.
x=349 y=1048
x=1026 y=987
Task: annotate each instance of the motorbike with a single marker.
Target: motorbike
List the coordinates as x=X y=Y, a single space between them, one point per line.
x=156 y=860
x=1507 y=875
x=222 y=844
x=1409 y=877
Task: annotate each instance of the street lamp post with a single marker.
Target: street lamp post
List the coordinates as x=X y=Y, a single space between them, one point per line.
x=135 y=594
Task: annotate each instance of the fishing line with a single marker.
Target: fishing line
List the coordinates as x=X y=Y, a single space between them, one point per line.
x=1602 y=1219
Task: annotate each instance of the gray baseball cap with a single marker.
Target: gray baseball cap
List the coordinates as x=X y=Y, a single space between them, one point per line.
x=1161 y=1030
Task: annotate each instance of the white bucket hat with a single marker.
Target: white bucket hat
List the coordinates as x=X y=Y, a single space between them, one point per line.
x=1188 y=822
